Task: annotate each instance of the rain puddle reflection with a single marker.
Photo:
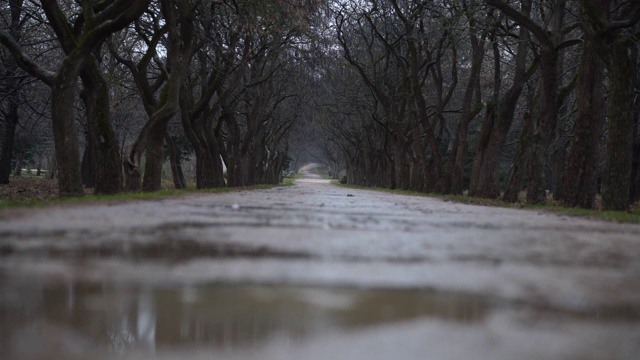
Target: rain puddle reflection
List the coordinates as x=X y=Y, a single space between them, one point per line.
x=112 y=319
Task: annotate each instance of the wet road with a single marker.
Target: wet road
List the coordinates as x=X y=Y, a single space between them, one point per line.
x=315 y=271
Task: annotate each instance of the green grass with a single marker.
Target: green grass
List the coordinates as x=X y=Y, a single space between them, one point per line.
x=288 y=181
x=617 y=216
x=632 y=216
x=13 y=203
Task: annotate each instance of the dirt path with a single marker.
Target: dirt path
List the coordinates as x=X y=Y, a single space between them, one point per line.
x=316 y=271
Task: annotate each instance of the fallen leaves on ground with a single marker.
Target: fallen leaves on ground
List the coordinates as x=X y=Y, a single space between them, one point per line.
x=29 y=188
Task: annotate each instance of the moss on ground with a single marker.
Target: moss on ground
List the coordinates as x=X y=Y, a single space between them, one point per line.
x=632 y=216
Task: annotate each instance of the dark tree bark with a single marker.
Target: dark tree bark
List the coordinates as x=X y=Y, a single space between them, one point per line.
x=199 y=120
x=13 y=101
x=453 y=182
x=562 y=141
x=65 y=135
x=546 y=100
x=443 y=97
x=11 y=122
x=423 y=175
x=154 y=158
x=99 y=25
x=209 y=173
x=87 y=166
x=604 y=21
x=581 y=169
x=176 y=162
x=616 y=179
x=103 y=144
x=498 y=119
x=545 y=114
x=521 y=159
x=484 y=177
x=179 y=24
x=635 y=169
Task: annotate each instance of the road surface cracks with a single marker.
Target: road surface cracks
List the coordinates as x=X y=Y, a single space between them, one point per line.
x=323 y=272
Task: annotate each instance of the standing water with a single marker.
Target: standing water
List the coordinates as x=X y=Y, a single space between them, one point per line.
x=111 y=320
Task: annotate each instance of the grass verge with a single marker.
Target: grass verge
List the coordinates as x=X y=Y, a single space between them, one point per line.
x=41 y=202
x=632 y=216
x=288 y=181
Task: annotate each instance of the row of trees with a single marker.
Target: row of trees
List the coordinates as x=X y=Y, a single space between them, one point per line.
x=491 y=96
x=229 y=72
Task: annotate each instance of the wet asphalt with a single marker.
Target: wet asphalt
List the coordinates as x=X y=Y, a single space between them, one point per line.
x=315 y=271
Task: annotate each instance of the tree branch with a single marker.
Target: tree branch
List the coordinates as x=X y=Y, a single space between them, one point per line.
x=24 y=61
x=540 y=33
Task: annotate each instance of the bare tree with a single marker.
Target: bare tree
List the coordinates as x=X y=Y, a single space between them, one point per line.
x=499 y=114
x=607 y=23
x=12 y=86
x=161 y=97
x=78 y=37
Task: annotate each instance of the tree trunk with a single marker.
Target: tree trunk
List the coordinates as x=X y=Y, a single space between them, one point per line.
x=63 y=94
x=204 y=175
x=616 y=179
x=11 y=72
x=53 y=167
x=209 y=170
x=417 y=181
x=581 y=166
x=9 y=139
x=150 y=140
x=456 y=161
x=154 y=158
x=199 y=132
x=132 y=177
x=520 y=161
x=558 y=169
x=635 y=169
x=11 y=117
x=243 y=162
x=103 y=145
x=401 y=170
x=498 y=120
x=419 y=178
x=545 y=119
x=545 y=114
x=416 y=92
x=86 y=166
x=484 y=174
x=77 y=43
x=176 y=163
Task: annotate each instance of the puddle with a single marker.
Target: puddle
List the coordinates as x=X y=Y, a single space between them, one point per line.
x=116 y=320
x=169 y=251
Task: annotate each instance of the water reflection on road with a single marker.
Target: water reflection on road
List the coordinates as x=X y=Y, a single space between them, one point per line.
x=178 y=278
x=116 y=319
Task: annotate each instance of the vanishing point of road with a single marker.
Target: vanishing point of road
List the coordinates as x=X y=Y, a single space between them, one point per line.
x=315 y=271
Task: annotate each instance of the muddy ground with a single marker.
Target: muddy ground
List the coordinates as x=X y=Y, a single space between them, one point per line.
x=315 y=271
